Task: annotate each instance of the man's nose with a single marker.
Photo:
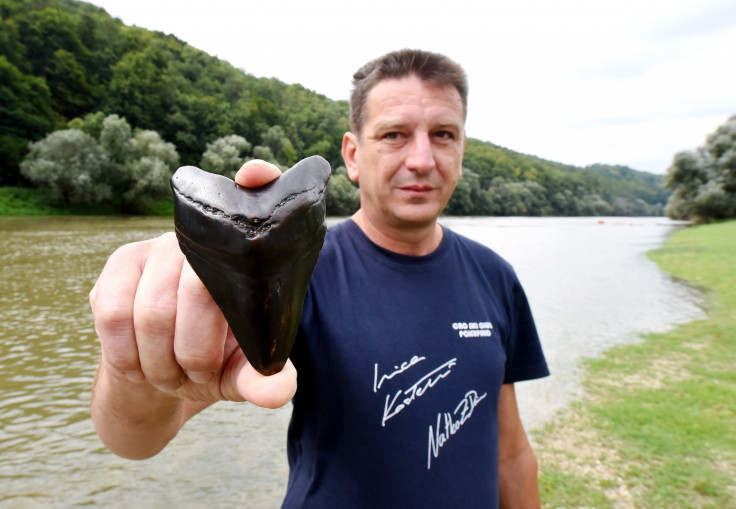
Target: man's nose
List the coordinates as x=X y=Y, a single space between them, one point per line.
x=420 y=158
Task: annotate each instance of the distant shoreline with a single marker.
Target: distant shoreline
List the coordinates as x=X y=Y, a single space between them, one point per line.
x=23 y=201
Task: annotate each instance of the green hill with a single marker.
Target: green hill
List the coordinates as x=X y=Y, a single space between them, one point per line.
x=64 y=59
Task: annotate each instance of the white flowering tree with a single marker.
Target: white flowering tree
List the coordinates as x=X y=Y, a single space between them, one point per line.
x=72 y=164
x=129 y=169
x=704 y=181
x=225 y=155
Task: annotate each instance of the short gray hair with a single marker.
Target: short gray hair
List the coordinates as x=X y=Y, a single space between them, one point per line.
x=429 y=67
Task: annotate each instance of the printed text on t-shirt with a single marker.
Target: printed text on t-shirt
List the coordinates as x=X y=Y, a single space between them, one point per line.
x=473 y=329
x=403 y=398
x=439 y=436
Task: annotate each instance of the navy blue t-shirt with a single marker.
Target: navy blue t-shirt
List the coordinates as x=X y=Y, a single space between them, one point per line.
x=400 y=361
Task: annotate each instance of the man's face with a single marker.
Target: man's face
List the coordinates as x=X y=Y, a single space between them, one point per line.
x=408 y=157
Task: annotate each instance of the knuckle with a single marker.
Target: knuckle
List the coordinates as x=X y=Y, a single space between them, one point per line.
x=155 y=316
x=113 y=320
x=120 y=352
x=167 y=380
x=124 y=253
x=199 y=360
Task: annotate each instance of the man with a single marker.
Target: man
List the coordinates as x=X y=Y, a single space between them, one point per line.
x=410 y=341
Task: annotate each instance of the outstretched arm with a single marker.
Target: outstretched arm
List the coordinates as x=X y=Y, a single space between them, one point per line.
x=167 y=352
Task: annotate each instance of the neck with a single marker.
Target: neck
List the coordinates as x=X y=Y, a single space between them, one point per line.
x=415 y=240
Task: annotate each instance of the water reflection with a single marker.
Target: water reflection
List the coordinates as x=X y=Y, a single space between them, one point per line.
x=590 y=286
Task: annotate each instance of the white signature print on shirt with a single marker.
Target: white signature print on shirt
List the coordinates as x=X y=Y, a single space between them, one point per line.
x=397 y=371
x=452 y=423
x=395 y=405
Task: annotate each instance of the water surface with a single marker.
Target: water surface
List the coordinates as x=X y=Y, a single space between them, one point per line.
x=589 y=283
x=590 y=286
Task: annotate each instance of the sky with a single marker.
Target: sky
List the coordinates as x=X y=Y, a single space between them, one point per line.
x=625 y=82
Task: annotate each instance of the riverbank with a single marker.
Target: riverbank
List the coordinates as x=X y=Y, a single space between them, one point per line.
x=23 y=201
x=656 y=426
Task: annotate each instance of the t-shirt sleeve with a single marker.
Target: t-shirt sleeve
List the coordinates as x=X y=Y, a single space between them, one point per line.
x=524 y=356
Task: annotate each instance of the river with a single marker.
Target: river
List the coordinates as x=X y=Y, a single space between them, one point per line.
x=588 y=280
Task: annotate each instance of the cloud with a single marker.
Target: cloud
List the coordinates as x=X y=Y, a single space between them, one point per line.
x=703 y=19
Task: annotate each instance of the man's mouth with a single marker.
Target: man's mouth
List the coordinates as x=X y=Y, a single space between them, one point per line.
x=417 y=188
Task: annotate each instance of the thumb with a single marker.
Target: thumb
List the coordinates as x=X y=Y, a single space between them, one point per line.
x=272 y=391
x=256 y=173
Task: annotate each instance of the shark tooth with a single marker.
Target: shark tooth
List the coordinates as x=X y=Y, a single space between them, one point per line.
x=254 y=250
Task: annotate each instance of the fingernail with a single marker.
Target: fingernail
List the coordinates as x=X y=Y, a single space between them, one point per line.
x=251 y=162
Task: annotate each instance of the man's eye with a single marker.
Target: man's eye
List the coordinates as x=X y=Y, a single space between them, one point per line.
x=392 y=136
x=444 y=134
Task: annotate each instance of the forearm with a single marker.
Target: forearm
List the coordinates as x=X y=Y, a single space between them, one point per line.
x=518 y=483
x=136 y=420
x=517 y=463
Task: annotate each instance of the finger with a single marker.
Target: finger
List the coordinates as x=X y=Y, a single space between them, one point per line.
x=272 y=391
x=155 y=314
x=256 y=173
x=111 y=300
x=93 y=298
x=201 y=329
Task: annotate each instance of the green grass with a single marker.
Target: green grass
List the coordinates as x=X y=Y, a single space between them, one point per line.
x=657 y=425
x=163 y=208
x=21 y=201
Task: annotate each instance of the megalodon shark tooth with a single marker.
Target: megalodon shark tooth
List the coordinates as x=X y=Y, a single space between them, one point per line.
x=255 y=250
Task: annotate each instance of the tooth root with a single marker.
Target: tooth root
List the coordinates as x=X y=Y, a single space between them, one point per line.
x=255 y=250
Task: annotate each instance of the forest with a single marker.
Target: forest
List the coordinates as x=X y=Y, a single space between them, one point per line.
x=96 y=111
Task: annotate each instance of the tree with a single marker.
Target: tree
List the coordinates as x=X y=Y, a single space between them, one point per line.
x=72 y=164
x=704 y=181
x=140 y=87
x=148 y=143
x=469 y=198
x=283 y=151
x=91 y=123
x=129 y=169
x=68 y=84
x=721 y=150
x=524 y=198
x=26 y=113
x=148 y=171
x=343 y=197
x=461 y=203
x=225 y=155
x=149 y=179
x=265 y=154
x=116 y=138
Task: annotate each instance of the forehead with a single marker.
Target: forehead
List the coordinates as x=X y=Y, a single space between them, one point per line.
x=402 y=97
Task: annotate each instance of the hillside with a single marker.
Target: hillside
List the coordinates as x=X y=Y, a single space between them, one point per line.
x=65 y=59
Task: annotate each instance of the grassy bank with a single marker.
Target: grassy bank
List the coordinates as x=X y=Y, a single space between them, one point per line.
x=21 y=201
x=657 y=425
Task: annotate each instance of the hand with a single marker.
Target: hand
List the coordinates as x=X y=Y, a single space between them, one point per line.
x=159 y=327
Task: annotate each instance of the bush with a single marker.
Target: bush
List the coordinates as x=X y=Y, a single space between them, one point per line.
x=72 y=164
x=127 y=169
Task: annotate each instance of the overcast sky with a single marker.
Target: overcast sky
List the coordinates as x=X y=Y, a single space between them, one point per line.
x=627 y=82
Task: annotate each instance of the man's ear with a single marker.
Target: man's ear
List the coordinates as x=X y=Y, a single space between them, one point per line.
x=465 y=144
x=349 y=152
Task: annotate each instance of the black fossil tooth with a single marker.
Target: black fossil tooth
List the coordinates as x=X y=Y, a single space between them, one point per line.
x=254 y=250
